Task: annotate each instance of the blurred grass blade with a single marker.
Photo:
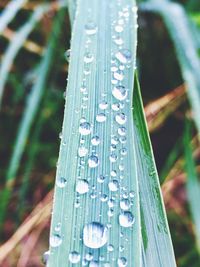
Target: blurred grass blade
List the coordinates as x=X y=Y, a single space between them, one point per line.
x=192 y=185
x=17 y=42
x=157 y=246
x=177 y=23
x=29 y=114
x=96 y=172
x=9 y=13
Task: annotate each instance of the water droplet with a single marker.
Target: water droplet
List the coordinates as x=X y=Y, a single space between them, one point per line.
x=95 y=140
x=119 y=75
x=115 y=106
x=120 y=92
x=101 y=117
x=110 y=248
x=93 y=161
x=122 y=262
x=85 y=128
x=126 y=219
x=55 y=240
x=45 y=257
x=61 y=182
x=89 y=256
x=103 y=105
x=113 y=185
x=74 y=257
x=115 y=140
x=95 y=235
x=123 y=151
x=119 y=41
x=111 y=203
x=104 y=198
x=67 y=55
x=82 y=151
x=119 y=28
x=132 y=194
x=124 y=56
x=91 y=28
x=113 y=157
x=101 y=179
x=88 y=58
x=94 y=264
x=121 y=131
x=124 y=204
x=82 y=186
x=120 y=118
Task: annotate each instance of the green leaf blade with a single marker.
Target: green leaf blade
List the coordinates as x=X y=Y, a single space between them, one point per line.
x=73 y=211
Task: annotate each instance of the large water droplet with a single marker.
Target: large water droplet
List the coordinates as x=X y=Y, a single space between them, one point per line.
x=61 y=182
x=126 y=219
x=91 y=28
x=67 y=55
x=101 y=179
x=55 y=240
x=120 y=92
x=93 y=161
x=124 y=56
x=95 y=235
x=101 y=117
x=82 y=186
x=74 y=257
x=122 y=262
x=113 y=185
x=85 y=128
x=120 y=118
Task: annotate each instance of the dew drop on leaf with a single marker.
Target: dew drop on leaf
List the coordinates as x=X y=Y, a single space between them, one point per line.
x=55 y=240
x=93 y=161
x=124 y=56
x=61 y=182
x=113 y=185
x=120 y=92
x=74 y=257
x=95 y=235
x=82 y=186
x=120 y=118
x=126 y=219
x=101 y=117
x=85 y=128
x=91 y=28
x=122 y=262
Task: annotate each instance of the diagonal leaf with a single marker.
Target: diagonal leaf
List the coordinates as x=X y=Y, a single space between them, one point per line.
x=157 y=246
x=18 y=40
x=9 y=13
x=192 y=185
x=177 y=23
x=95 y=181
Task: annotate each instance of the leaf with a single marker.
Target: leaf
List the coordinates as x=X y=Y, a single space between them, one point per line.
x=157 y=247
x=83 y=202
x=9 y=13
x=177 y=23
x=192 y=185
x=18 y=40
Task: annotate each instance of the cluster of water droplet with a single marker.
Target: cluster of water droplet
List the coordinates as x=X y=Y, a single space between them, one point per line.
x=106 y=190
